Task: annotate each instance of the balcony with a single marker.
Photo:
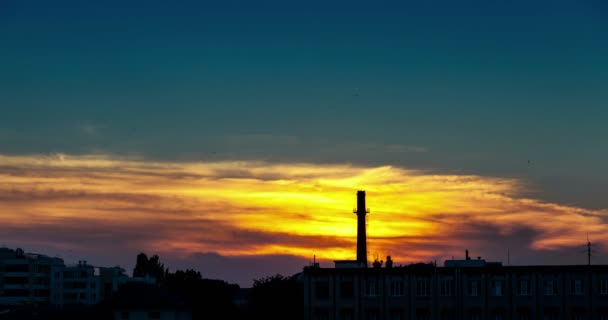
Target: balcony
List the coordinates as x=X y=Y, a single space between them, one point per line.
x=24 y=274
x=13 y=300
x=23 y=286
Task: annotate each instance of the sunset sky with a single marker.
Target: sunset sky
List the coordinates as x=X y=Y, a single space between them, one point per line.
x=232 y=136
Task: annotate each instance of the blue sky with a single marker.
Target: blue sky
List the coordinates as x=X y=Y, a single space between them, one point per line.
x=467 y=87
x=480 y=86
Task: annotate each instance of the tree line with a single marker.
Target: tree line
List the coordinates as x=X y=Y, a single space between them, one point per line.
x=272 y=297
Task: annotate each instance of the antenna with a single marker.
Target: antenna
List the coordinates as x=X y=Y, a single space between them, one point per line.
x=589 y=250
x=508 y=257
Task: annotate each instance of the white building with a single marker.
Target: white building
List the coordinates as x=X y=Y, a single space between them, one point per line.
x=76 y=284
x=26 y=278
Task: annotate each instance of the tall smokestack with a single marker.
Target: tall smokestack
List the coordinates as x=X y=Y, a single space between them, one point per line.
x=361 y=236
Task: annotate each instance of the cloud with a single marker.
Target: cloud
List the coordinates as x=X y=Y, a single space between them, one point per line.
x=97 y=204
x=91 y=129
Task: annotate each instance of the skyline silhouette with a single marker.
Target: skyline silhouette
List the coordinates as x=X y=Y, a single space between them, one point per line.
x=229 y=136
x=227 y=227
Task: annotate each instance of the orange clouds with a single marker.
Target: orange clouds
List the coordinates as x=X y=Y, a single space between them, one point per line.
x=238 y=208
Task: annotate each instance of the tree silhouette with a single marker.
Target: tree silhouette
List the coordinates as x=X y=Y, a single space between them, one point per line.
x=277 y=297
x=210 y=299
x=149 y=267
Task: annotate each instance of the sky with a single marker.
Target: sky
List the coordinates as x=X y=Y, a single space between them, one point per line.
x=232 y=136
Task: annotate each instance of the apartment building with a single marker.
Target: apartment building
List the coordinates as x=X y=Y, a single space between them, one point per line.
x=76 y=284
x=483 y=291
x=26 y=278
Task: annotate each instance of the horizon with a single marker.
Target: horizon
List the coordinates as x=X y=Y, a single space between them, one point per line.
x=230 y=137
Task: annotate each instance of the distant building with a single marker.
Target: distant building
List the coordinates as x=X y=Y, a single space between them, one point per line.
x=471 y=289
x=26 y=278
x=78 y=284
x=36 y=279
x=425 y=292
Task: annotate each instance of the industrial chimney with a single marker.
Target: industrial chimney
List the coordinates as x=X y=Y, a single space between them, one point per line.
x=361 y=236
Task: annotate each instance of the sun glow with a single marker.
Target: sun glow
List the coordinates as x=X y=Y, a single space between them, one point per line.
x=253 y=208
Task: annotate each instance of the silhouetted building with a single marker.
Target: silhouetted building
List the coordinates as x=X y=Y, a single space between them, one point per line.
x=461 y=289
x=36 y=279
x=26 y=278
x=76 y=284
x=140 y=301
x=425 y=292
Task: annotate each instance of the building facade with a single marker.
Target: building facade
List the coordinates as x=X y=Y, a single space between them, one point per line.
x=26 y=278
x=483 y=291
x=76 y=284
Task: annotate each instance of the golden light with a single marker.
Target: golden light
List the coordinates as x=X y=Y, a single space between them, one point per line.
x=297 y=209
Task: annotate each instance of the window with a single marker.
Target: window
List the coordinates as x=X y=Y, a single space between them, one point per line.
x=16 y=293
x=75 y=285
x=551 y=314
x=445 y=287
x=423 y=288
x=423 y=314
x=550 y=287
x=396 y=288
x=347 y=289
x=576 y=287
x=42 y=268
x=524 y=314
x=154 y=315
x=498 y=314
x=497 y=288
x=448 y=314
x=321 y=314
x=577 y=314
x=42 y=293
x=70 y=296
x=371 y=288
x=16 y=268
x=396 y=314
x=322 y=290
x=346 y=314
x=473 y=288
x=16 y=280
x=524 y=287
x=372 y=314
x=604 y=286
x=474 y=314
